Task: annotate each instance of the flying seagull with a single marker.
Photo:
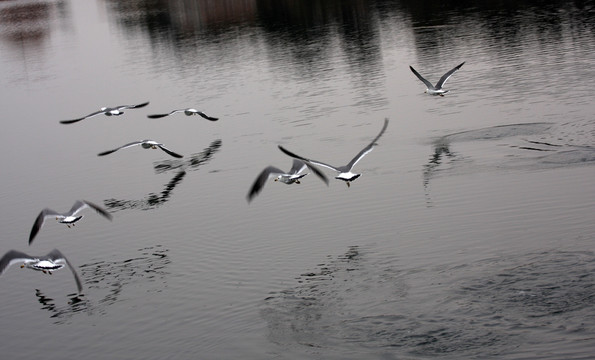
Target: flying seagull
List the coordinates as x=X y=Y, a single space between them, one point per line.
x=293 y=176
x=344 y=171
x=188 y=112
x=436 y=90
x=54 y=260
x=107 y=111
x=146 y=144
x=69 y=218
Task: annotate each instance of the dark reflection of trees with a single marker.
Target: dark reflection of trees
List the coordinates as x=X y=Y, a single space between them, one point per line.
x=105 y=281
x=154 y=200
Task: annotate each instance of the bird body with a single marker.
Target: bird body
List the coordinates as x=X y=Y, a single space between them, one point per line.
x=54 y=260
x=436 y=89
x=69 y=218
x=107 y=111
x=345 y=172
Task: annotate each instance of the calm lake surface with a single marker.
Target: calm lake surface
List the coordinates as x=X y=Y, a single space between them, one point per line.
x=470 y=234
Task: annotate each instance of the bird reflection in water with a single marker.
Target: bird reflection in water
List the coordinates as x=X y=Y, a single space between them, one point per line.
x=105 y=281
x=154 y=200
x=192 y=162
x=440 y=155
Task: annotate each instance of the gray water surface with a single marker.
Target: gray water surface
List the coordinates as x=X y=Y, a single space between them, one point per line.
x=469 y=234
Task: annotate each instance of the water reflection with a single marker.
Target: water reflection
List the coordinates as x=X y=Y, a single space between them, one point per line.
x=61 y=312
x=150 y=201
x=154 y=200
x=192 y=162
x=543 y=145
x=26 y=22
x=105 y=281
x=365 y=303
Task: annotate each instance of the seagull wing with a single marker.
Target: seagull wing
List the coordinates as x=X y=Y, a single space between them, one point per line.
x=40 y=220
x=99 y=209
x=157 y=116
x=83 y=118
x=12 y=257
x=318 y=173
x=428 y=84
x=121 y=147
x=169 y=151
x=297 y=167
x=368 y=148
x=120 y=107
x=206 y=116
x=56 y=255
x=261 y=180
x=447 y=75
x=287 y=152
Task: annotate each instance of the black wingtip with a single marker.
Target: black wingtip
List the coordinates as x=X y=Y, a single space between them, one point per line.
x=156 y=116
x=70 y=121
x=105 y=153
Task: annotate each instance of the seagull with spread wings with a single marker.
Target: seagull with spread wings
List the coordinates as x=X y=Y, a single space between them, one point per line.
x=69 y=218
x=293 y=176
x=187 y=112
x=344 y=171
x=436 y=89
x=107 y=111
x=145 y=144
x=54 y=260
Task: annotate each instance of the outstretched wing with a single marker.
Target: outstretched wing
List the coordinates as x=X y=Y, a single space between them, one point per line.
x=447 y=75
x=368 y=148
x=287 y=152
x=318 y=173
x=297 y=167
x=39 y=222
x=170 y=152
x=261 y=180
x=132 y=106
x=12 y=257
x=207 y=116
x=121 y=147
x=157 y=116
x=56 y=255
x=99 y=209
x=83 y=118
x=428 y=84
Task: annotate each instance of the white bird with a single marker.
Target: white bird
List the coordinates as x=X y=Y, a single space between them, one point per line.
x=188 y=112
x=436 y=89
x=68 y=218
x=54 y=260
x=293 y=176
x=344 y=171
x=146 y=144
x=107 y=111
